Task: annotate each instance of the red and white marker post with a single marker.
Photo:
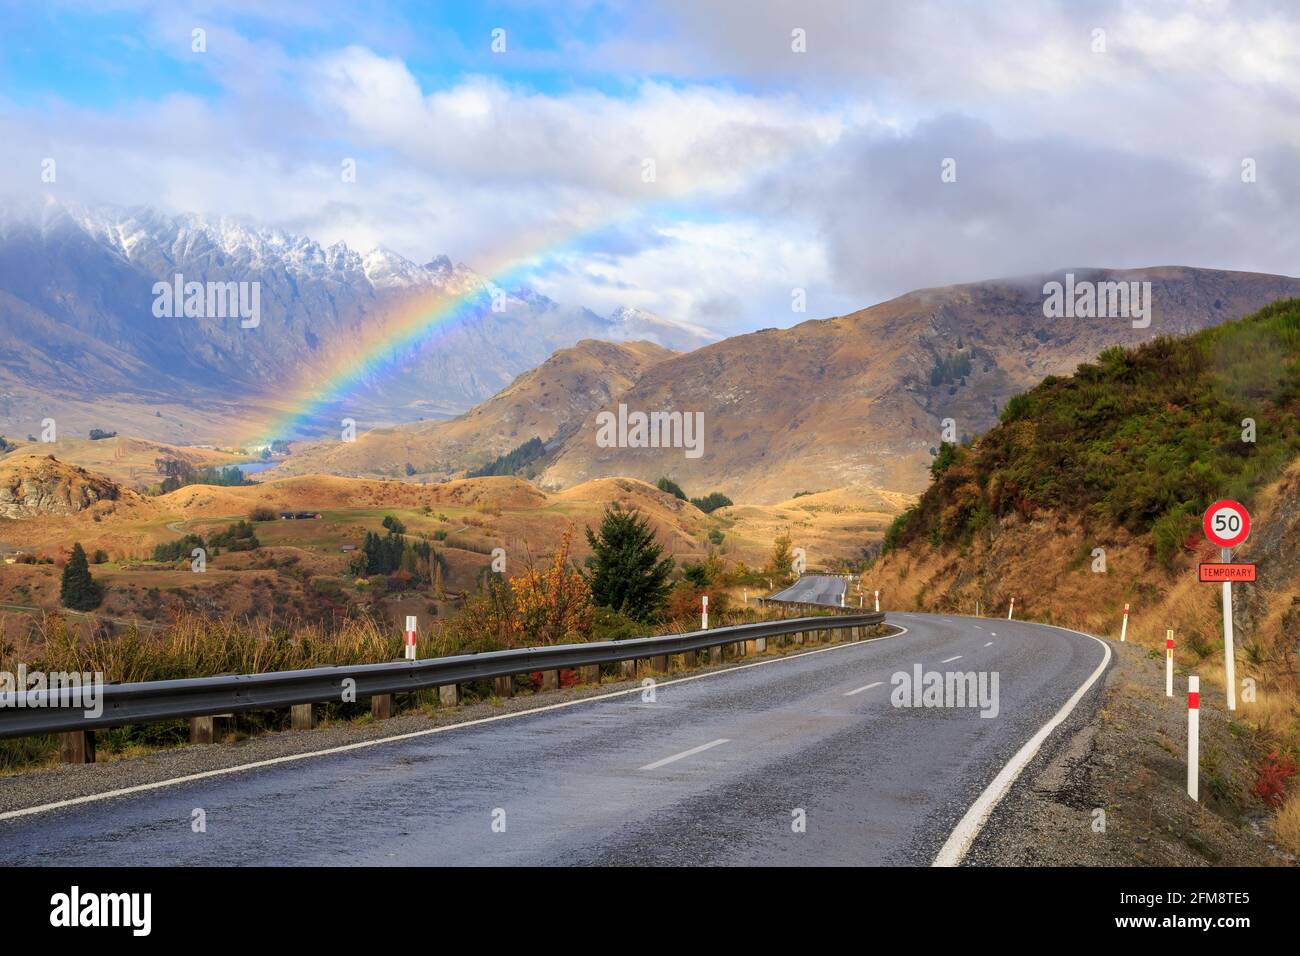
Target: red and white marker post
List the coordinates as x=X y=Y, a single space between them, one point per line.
x=1227 y=524
x=877 y=602
x=1012 y=609
x=410 y=637
x=1169 y=663
x=704 y=612
x=1193 y=737
x=1123 y=628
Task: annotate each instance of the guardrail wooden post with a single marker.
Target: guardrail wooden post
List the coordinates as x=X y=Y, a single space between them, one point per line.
x=589 y=674
x=715 y=654
x=751 y=648
x=685 y=661
x=77 y=746
x=659 y=664
x=761 y=645
x=449 y=695
x=504 y=686
x=206 y=730
x=550 y=680
x=628 y=669
x=302 y=717
x=381 y=706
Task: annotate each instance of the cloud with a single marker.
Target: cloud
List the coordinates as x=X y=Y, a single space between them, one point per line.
x=773 y=170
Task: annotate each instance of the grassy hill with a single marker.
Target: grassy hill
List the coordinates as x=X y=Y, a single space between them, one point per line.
x=1142 y=439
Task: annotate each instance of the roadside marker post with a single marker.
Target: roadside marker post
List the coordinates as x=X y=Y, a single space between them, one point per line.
x=1012 y=609
x=977 y=608
x=410 y=637
x=1123 y=628
x=1169 y=663
x=877 y=602
x=1193 y=737
x=704 y=612
x=1227 y=524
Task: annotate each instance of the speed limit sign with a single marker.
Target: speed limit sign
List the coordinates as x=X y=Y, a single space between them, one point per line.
x=1227 y=523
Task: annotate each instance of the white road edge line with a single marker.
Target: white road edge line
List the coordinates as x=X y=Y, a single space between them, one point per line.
x=686 y=753
x=363 y=744
x=949 y=660
x=861 y=689
x=969 y=826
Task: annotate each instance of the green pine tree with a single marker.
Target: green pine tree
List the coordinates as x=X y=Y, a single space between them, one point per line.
x=79 y=590
x=627 y=573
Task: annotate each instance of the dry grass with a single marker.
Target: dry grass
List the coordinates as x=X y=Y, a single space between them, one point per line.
x=1286 y=825
x=192 y=645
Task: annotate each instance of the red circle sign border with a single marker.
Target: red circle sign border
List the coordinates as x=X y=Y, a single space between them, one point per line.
x=1245 y=523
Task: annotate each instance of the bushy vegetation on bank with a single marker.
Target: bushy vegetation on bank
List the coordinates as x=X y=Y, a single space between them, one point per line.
x=1143 y=439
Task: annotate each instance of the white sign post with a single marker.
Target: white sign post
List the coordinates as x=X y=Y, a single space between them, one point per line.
x=1012 y=609
x=1123 y=628
x=1193 y=737
x=704 y=612
x=410 y=637
x=1169 y=663
x=1227 y=524
x=877 y=602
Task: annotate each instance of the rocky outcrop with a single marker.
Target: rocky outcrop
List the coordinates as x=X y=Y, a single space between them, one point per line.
x=32 y=486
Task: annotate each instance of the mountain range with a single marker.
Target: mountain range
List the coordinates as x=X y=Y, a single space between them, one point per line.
x=859 y=399
x=81 y=343
x=863 y=399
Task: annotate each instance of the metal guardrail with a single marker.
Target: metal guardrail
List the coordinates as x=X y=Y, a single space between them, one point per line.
x=806 y=606
x=204 y=696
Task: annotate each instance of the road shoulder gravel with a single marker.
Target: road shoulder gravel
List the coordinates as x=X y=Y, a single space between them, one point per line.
x=1126 y=758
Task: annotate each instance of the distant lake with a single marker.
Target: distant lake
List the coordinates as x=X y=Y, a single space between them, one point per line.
x=254 y=467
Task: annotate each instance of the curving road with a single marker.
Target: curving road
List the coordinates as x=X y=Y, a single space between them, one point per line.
x=814 y=589
x=717 y=769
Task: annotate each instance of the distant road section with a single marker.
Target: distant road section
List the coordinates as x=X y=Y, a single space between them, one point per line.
x=814 y=589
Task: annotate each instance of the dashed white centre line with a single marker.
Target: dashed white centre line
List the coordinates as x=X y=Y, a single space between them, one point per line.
x=859 y=690
x=686 y=753
x=977 y=627
x=989 y=644
x=951 y=659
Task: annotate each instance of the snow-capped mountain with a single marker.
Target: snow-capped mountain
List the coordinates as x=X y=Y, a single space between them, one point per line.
x=630 y=324
x=82 y=337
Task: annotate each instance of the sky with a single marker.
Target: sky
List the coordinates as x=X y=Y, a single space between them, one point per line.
x=702 y=160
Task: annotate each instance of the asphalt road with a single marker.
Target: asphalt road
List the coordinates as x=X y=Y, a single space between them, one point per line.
x=814 y=589
x=713 y=771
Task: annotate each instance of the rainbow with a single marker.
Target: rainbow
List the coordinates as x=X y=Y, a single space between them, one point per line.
x=411 y=323
x=417 y=321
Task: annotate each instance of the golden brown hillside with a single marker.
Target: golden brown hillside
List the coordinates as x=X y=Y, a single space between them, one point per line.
x=40 y=487
x=477 y=513
x=547 y=402
x=860 y=398
x=128 y=461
